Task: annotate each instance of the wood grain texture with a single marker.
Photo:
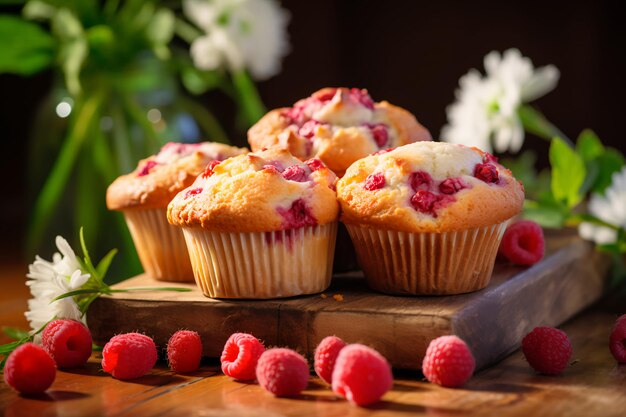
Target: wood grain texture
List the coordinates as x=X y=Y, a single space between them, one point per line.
x=491 y=321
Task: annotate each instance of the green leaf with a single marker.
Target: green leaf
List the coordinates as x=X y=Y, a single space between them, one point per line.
x=9 y=347
x=547 y=215
x=15 y=333
x=134 y=289
x=26 y=47
x=588 y=145
x=568 y=173
x=77 y=292
x=610 y=162
x=83 y=246
x=103 y=265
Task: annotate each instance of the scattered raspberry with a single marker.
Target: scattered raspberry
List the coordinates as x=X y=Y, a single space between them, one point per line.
x=374 y=181
x=298 y=215
x=547 y=350
x=523 y=243
x=361 y=375
x=129 y=356
x=424 y=201
x=68 y=342
x=283 y=372
x=29 y=369
x=145 y=170
x=240 y=356
x=308 y=129
x=617 y=342
x=486 y=172
x=295 y=173
x=451 y=185
x=448 y=362
x=380 y=133
x=193 y=191
x=326 y=355
x=420 y=180
x=208 y=171
x=315 y=164
x=184 y=351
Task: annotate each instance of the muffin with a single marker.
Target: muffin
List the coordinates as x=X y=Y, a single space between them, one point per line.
x=338 y=126
x=260 y=225
x=427 y=218
x=142 y=196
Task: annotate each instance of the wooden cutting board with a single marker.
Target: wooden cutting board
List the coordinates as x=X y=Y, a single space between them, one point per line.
x=492 y=321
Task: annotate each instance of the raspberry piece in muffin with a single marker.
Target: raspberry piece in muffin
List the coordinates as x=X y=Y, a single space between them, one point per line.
x=374 y=181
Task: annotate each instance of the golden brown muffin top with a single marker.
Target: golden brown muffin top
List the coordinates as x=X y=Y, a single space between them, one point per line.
x=338 y=126
x=158 y=178
x=429 y=187
x=258 y=192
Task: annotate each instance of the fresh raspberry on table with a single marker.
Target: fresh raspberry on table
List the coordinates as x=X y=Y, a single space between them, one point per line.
x=240 y=356
x=326 y=355
x=184 y=351
x=129 y=356
x=547 y=350
x=283 y=372
x=617 y=342
x=361 y=375
x=523 y=243
x=68 y=342
x=29 y=369
x=448 y=362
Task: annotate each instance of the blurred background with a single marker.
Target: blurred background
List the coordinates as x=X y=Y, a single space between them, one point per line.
x=411 y=53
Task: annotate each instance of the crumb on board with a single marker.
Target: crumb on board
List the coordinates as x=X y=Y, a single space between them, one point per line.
x=338 y=297
x=323 y=295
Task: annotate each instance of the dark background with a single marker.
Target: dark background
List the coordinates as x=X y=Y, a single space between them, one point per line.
x=410 y=53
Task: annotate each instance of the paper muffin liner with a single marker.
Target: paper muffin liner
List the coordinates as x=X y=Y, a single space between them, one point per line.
x=161 y=247
x=262 y=265
x=427 y=263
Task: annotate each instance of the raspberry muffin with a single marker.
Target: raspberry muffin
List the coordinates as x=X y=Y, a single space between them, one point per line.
x=260 y=225
x=338 y=126
x=143 y=196
x=427 y=218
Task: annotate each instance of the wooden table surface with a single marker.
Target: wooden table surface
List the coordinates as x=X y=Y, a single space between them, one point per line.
x=593 y=386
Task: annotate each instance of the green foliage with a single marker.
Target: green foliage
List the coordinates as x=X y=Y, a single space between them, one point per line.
x=26 y=48
x=568 y=174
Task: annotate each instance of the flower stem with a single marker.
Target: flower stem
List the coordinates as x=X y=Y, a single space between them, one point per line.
x=536 y=123
x=186 y=32
x=248 y=95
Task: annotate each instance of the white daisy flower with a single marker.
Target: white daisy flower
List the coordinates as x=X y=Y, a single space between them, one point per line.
x=239 y=34
x=486 y=107
x=48 y=280
x=610 y=208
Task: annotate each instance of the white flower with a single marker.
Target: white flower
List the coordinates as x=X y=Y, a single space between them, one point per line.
x=239 y=34
x=48 y=280
x=486 y=107
x=610 y=208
